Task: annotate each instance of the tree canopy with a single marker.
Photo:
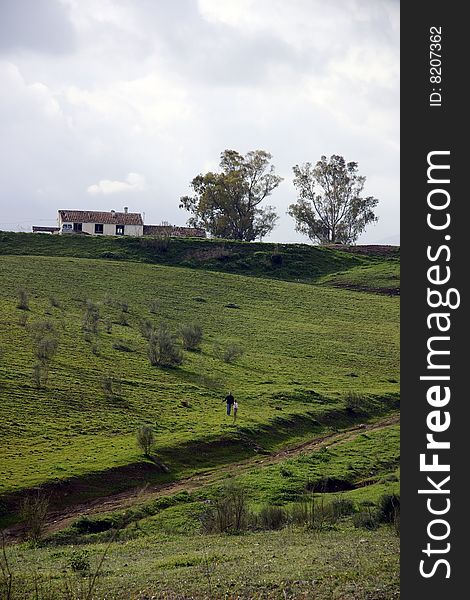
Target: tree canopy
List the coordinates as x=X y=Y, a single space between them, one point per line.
x=330 y=208
x=226 y=204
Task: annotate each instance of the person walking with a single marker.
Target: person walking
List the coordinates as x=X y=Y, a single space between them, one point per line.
x=235 y=410
x=230 y=401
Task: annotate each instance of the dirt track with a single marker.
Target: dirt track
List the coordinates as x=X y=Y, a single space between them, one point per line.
x=60 y=519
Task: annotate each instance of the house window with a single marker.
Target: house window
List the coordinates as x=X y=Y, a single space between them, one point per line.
x=119 y=229
x=98 y=227
x=77 y=226
x=67 y=227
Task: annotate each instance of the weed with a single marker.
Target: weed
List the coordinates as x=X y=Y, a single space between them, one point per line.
x=23 y=299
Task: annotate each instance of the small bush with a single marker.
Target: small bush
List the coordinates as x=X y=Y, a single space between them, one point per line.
x=46 y=349
x=365 y=520
x=231 y=305
x=23 y=299
x=388 y=508
x=272 y=517
x=108 y=326
x=91 y=317
x=124 y=305
x=229 y=353
x=192 y=336
x=145 y=439
x=33 y=512
x=123 y=319
x=154 y=306
x=147 y=328
x=313 y=513
x=342 y=507
x=228 y=511
x=111 y=387
x=54 y=302
x=79 y=562
x=158 y=244
x=23 y=319
x=163 y=348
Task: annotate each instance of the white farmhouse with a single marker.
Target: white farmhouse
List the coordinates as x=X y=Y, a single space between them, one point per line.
x=101 y=223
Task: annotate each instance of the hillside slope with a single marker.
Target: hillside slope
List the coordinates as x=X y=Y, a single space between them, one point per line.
x=289 y=262
x=306 y=349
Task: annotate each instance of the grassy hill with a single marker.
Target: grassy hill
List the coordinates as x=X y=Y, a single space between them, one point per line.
x=317 y=383
x=288 y=262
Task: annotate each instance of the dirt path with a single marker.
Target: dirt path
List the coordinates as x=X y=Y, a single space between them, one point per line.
x=60 y=519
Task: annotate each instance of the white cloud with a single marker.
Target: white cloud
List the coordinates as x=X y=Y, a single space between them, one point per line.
x=135 y=182
x=162 y=88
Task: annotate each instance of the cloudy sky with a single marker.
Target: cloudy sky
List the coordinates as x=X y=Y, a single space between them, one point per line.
x=112 y=103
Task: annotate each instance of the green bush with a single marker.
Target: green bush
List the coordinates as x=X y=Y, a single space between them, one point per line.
x=192 y=336
x=163 y=348
x=145 y=439
x=91 y=317
x=227 y=511
x=79 y=562
x=388 y=508
x=272 y=517
x=229 y=353
x=365 y=519
x=23 y=299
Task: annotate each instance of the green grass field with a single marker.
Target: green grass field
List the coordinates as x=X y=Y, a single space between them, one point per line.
x=300 y=341
x=319 y=360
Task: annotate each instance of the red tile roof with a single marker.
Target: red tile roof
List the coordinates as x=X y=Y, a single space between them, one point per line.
x=108 y=218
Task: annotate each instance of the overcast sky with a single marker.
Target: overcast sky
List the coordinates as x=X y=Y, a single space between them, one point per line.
x=113 y=103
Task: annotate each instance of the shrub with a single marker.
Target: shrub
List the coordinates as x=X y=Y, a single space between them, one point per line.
x=272 y=517
x=154 y=306
x=192 y=336
x=342 y=507
x=108 y=326
x=388 y=508
x=158 y=243
x=91 y=317
x=23 y=299
x=228 y=511
x=313 y=513
x=54 y=302
x=365 y=519
x=145 y=439
x=124 y=304
x=123 y=319
x=46 y=349
x=111 y=387
x=147 y=327
x=33 y=511
x=23 y=319
x=229 y=353
x=39 y=377
x=79 y=562
x=41 y=329
x=163 y=348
